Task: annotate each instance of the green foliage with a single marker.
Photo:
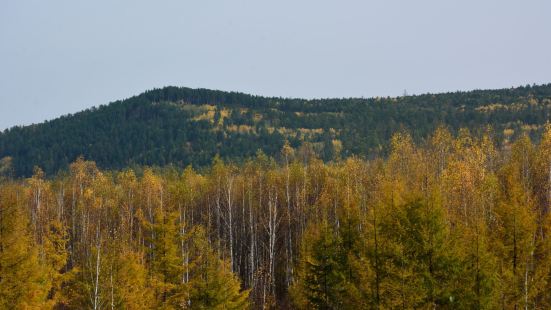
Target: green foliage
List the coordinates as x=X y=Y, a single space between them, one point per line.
x=182 y=126
x=326 y=277
x=212 y=285
x=421 y=263
x=321 y=277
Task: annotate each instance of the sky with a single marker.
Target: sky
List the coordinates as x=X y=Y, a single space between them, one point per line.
x=59 y=57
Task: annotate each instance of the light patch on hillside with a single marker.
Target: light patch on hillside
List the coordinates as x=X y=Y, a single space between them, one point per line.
x=241 y=129
x=207 y=114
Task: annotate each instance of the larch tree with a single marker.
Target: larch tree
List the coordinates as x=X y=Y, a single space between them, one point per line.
x=421 y=262
x=22 y=279
x=321 y=277
x=212 y=285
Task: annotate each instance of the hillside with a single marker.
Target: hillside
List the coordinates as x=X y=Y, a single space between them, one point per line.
x=183 y=126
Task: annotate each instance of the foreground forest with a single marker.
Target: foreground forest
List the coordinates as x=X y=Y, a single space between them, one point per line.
x=181 y=126
x=457 y=222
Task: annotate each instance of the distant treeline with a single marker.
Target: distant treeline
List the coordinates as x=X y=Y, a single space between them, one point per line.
x=454 y=223
x=182 y=126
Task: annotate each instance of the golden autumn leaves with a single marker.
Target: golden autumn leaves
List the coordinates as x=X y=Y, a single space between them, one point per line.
x=455 y=221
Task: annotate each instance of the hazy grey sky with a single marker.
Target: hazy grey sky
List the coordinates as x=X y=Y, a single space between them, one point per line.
x=59 y=57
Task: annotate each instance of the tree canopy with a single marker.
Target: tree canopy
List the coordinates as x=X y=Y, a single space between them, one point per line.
x=459 y=221
x=182 y=126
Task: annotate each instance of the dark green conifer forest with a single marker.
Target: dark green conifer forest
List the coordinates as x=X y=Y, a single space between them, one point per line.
x=183 y=126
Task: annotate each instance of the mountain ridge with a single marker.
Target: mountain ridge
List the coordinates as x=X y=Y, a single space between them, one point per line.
x=182 y=126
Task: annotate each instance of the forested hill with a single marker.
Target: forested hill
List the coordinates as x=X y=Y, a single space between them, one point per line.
x=184 y=126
